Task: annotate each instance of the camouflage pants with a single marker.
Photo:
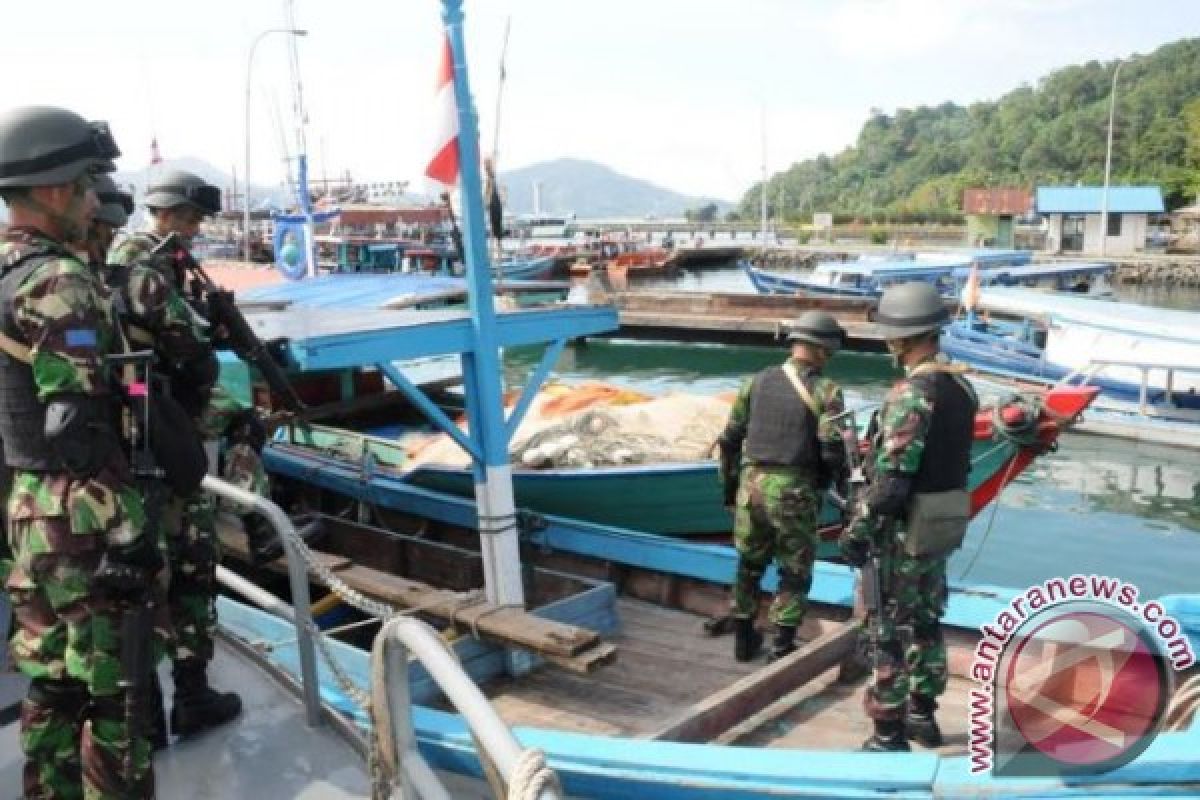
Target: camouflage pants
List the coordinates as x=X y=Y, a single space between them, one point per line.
x=776 y=519
x=67 y=640
x=193 y=545
x=912 y=655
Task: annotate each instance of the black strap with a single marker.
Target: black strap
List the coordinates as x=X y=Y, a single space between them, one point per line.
x=46 y=161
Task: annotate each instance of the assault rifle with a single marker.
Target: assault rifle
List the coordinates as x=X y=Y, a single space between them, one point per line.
x=874 y=586
x=137 y=619
x=221 y=311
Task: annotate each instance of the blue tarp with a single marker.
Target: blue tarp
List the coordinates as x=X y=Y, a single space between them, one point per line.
x=353 y=290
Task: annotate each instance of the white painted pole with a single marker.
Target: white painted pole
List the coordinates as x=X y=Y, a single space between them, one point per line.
x=1112 y=110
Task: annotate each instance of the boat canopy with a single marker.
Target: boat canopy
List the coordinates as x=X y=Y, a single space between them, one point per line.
x=1128 y=318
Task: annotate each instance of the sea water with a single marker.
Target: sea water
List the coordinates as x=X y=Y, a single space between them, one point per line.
x=1096 y=505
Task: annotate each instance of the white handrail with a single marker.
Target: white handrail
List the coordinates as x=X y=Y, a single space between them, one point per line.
x=391 y=703
x=299 y=614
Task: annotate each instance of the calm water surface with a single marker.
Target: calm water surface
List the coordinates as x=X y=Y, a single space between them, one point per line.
x=1096 y=505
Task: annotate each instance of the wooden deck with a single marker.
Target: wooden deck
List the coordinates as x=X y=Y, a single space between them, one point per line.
x=666 y=663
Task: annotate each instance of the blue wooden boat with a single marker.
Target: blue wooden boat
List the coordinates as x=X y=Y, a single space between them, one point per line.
x=868 y=279
x=1144 y=360
x=672 y=684
x=599 y=758
x=526 y=268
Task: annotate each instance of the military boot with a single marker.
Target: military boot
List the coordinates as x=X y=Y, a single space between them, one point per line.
x=198 y=706
x=785 y=642
x=920 y=724
x=154 y=716
x=746 y=640
x=888 y=738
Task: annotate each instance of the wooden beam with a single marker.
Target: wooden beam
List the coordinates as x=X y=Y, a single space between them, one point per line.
x=717 y=713
x=569 y=646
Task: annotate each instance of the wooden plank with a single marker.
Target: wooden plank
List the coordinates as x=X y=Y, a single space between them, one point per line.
x=589 y=661
x=716 y=713
x=512 y=625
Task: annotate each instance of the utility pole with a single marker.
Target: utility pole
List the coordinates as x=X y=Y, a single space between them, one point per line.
x=1112 y=110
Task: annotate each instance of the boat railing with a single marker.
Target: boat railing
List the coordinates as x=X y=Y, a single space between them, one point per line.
x=400 y=637
x=1094 y=366
x=523 y=772
x=298 y=613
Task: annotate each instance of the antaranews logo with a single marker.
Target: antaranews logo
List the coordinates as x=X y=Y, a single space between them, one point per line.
x=1074 y=675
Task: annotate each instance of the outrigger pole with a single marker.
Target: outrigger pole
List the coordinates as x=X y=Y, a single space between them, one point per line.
x=481 y=364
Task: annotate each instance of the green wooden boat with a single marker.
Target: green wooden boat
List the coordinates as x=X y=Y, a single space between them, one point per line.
x=681 y=499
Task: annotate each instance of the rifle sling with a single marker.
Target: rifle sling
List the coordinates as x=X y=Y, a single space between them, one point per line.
x=789 y=369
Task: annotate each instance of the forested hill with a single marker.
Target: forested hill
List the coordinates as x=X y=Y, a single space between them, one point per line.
x=1053 y=133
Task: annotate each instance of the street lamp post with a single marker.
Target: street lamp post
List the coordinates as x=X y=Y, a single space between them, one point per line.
x=1112 y=109
x=246 y=166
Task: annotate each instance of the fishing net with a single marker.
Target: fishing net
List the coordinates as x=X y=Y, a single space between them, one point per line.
x=600 y=425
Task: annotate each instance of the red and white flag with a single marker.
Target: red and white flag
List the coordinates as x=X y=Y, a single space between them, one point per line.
x=444 y=166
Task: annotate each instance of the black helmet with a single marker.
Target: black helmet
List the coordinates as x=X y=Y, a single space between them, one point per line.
x=176 y=188
x=115 y=205
x=46 y=146
x=908 y=309
x=819 y=328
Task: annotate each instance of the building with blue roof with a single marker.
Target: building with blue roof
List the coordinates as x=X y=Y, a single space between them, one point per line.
x=1077 y=224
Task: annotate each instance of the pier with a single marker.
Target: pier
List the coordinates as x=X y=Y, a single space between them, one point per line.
x=731 y=318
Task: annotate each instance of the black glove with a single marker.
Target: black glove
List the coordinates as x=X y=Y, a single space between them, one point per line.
x=126 y=572
x=261 y=540
x=854 y=550
x=246 y=427
x=888 y=494
x=192 y=383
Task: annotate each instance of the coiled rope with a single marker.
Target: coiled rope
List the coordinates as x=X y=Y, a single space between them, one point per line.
x=1023 y=432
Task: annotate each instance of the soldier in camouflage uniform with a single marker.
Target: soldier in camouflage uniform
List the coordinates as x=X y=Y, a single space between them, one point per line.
x=781 y=447
x=920 y=443
x=111 y=215
x=157 y=314
x=76 y=521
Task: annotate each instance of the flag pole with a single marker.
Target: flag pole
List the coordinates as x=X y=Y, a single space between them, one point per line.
x=481 y=364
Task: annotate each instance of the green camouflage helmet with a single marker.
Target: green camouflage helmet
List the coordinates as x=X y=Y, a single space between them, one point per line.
x=819 y=328
x=46 y=146
x=176 y=188
x=115 y=205
x=908 y=309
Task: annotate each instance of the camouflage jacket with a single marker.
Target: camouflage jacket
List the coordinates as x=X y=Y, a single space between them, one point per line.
x=900 y=428
x=159 y=316
x=63 y=312
x=826 y=393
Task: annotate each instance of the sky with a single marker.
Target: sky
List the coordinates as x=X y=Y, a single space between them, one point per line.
x=682 y=93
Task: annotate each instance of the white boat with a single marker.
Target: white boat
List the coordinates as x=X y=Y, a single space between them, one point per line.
x=1145 y=360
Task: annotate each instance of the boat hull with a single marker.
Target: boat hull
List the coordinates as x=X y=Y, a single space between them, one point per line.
x=670 y=499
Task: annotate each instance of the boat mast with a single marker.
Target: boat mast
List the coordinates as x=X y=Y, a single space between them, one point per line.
x=763 y=194
x=500 y=94
x=492 y=179
x=481 y=364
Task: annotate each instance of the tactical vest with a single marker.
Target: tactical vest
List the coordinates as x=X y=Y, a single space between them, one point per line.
x=946 y=459
x=782 y=430
x=22 y=415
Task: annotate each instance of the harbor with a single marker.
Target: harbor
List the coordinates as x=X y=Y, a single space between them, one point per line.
x=547 y=482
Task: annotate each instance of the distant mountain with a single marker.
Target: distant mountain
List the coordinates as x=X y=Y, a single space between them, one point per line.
x=590 y=190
